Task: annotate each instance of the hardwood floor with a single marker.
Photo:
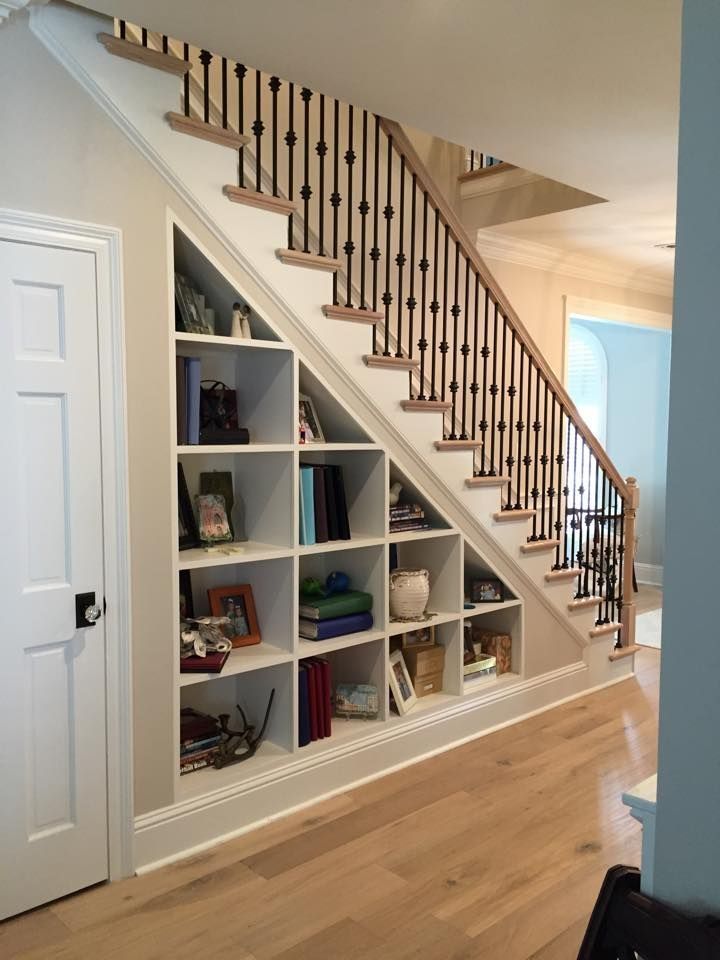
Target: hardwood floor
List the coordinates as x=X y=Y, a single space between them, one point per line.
x=494 y=850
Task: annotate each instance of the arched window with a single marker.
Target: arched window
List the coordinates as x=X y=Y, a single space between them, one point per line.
x=587 y=378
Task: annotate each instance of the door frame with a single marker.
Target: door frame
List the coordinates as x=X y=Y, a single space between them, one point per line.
x=105 y=243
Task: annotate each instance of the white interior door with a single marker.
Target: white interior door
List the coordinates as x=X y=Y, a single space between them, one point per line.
x=53 y=790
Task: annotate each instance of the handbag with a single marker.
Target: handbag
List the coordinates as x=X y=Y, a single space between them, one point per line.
x=219 y=414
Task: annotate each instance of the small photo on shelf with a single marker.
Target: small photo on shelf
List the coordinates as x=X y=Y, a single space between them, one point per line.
x=487 y=590
x=237 y=604
x=192 y=316
x=423 y=637
x=401 y=685
x=309 y=429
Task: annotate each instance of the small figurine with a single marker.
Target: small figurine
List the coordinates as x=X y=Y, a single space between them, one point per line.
x=203 y=635
x=394 y=496
x=241 y=322
x=337 y=582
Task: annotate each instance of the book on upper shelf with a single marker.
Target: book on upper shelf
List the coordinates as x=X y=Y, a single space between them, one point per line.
x=335 y=626
x=323 y=504
x=406 y=517
x=336 y=605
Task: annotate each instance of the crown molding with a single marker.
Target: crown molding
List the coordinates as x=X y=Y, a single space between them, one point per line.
x=541 y=256
x=8 y=7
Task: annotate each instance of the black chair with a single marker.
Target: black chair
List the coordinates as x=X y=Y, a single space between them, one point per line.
x=626 y=925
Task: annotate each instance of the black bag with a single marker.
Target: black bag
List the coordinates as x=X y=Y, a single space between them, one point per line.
x=219 y=415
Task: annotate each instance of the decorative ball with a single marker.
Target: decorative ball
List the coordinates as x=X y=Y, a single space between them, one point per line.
x=312 y=587
x=337 y=582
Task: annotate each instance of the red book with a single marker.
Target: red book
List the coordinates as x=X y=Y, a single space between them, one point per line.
x=211 y=663
x=314 y=697
x=323 y=667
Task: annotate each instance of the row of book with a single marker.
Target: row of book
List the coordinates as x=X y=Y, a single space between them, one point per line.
x=314 y=700
x=187 y=378
x=406 y=517
x=335 y=616
x=199 y=740
x=323 y=504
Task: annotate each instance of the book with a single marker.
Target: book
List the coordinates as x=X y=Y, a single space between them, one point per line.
x=326 y=684
x=335 y=626
x=406 y=510
x=181 y=390
x=211 y=663
x=189 y=764
x=303 y=707
x=314 y=699
x=330 y=502
x=336 y=605
x=321 y=523
x=200 y=744
x=341 y=503
x=307 y=506
x=195 y=725
x=409 y=526
x=192 y=376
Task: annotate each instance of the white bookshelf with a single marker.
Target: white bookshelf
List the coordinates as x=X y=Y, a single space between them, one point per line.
x=268 y=376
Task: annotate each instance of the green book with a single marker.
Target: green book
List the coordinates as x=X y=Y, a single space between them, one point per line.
x=337 y=605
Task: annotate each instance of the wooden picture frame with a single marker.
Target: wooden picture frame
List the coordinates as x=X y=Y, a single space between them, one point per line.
x=238 y=603
x=308 y=418
x=400 y=683
x=188 y=536
x=487 y=590
x=422 y=637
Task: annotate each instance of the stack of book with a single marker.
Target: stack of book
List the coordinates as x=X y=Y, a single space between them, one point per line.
x=199 y=740
x=314 y=701
x=407 y=516
x=323 y=504
x=335 y=616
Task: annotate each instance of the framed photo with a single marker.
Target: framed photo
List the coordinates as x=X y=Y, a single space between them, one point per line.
x=187 y=527
x=213 y=523
x=424 y=637
x=487 y=590
x=400 y=683
x=238 y=605
x=187 y=610
x=191 y=313
x=308 y=421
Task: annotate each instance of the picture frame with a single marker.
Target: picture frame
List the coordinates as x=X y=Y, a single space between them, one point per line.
x=237 y=603
x=187 y=608
x=401 y=685
x=422 y=637
x=308 y=421
x=188 y=536
x=213 y=521
x=191 y=314
x=487 y=590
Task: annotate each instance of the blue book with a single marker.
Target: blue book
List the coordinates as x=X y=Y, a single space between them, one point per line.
x=335 y=627
x=192 y=379
x=303 y=707
x=307 y=506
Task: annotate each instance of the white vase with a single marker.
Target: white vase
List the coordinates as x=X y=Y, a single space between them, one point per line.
x=409 y=593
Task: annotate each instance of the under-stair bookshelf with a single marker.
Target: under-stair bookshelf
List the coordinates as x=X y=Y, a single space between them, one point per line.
x=269 y=376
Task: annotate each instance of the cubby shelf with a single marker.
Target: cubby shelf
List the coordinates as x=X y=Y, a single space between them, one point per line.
x=205 y=342
x=483 y=685
x=396 y=627
x=344 y=732
x=270 y=758
x=316 y=648
x=481 y=608
x=208 y=449
x=241 y=660
x=335 y=447
x=332 y=546
x=407 y=536
x=198 y=558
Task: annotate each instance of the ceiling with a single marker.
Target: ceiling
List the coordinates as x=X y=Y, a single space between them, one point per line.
x=581 y=91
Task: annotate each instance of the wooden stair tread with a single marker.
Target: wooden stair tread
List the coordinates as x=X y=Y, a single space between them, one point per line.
x=622 y=652
x=264 y=201
x=429 y=406
x=205 y=131
x=458 y=444
x=563 y=575
x=603 y=629
x=486 y=481
x=354 y=314
x=510 y=516
x=313 y=261
x=390 y=363
x=480 y=173
x=580 y=603
x=539 y=546
x=139 y=54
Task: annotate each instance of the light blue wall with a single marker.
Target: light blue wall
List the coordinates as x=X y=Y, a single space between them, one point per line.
x=637 y=420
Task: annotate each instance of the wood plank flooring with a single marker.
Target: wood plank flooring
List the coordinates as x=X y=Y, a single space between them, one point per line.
x=494 y=850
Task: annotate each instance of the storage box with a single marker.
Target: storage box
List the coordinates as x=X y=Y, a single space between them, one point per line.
x=427 y=684
x=498 y=645
x=424 y=661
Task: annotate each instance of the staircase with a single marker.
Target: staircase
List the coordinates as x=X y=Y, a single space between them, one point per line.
x=444 y=345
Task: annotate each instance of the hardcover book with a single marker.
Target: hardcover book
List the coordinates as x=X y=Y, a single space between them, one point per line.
x=307 y=506
x=320 y=503
x=336 y=605
x=335 y=626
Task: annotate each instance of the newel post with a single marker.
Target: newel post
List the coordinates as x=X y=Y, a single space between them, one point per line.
x=627 y=636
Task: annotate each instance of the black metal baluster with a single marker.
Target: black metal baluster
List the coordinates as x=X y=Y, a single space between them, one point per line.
x=274 y=84
x=375 y=251
x=321 y=151
x=434 y=307
x=444 y=341
x=485 y=351
x=596 y=553
x=258 y=128
x=465 y=350
x=581 y=559
x=364 y=209
x=291 y=140
x=411 y=302
x=224 y=92
x=511 y=391
x=240 y=72
x=472 y=159
x=474 y=387
x=349 y=246
x=400 y=259
x=165 y=43
x=206 y=60
x=601 y=585
x=536 y=459
x=388 y=213
x=588 y=524
x=502 y=425
x=527 y=459
x=424 y=264
x=543 y=463
x=551 y=460
x=335 y=195
x=569 y=560
x=144 y=36
x=559 y=461
x=493 y=394
x=123 y=31
x=306 y=189
x=186 y=79
x=520 y=426
x=455 y=313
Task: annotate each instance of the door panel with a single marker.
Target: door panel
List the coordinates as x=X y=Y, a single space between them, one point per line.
x=52 y=685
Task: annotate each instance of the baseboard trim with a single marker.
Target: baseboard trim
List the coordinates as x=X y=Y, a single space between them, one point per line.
x=650 y=574
x=185 y=829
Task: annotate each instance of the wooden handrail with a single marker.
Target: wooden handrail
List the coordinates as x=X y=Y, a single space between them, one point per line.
x=413 y=161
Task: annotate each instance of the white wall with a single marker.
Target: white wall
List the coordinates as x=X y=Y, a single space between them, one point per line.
x=687 y=839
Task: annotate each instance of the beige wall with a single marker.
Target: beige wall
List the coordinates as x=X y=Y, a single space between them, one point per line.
x=444 y=161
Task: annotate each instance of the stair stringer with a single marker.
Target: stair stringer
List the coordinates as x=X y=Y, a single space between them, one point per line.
x=137 y=99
